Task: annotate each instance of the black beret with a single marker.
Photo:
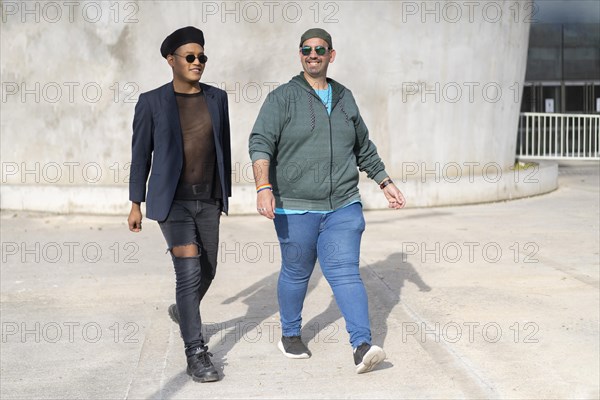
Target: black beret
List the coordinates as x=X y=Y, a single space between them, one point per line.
x=181 y=36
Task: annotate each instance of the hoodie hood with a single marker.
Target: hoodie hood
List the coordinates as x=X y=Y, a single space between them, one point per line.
x=337 y=89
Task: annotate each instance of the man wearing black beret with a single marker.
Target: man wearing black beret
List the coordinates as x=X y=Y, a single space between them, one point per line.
x=181 y=140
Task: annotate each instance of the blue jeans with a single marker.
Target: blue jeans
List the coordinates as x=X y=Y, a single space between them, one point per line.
x=333 y=239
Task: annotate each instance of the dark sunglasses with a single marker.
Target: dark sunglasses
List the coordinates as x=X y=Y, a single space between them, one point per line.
x=190 y=58
x=320 y=50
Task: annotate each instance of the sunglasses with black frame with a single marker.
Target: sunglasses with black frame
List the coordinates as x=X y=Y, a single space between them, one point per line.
x=190 y=58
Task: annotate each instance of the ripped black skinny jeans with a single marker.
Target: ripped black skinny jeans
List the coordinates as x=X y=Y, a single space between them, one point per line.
x=193 y=222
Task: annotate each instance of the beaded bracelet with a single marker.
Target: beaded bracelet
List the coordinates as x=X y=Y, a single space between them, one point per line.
x=264 y=187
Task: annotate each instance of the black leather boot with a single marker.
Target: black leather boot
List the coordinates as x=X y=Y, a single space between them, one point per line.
x=200 y=367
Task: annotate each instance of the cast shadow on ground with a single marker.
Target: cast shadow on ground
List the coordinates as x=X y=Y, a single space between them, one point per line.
x=221 y=337
x=384 y=281
x=262 y=308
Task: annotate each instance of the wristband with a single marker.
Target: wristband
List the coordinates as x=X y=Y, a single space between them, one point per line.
x=264 y=187
x=385 y=183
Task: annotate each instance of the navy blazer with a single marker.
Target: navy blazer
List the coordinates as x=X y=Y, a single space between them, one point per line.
x=157 y=147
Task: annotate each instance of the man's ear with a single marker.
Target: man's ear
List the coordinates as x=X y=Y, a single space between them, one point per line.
x=171 y=60
x=332 y=56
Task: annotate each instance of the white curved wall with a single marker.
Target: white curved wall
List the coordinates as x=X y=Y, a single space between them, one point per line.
x=438 y=84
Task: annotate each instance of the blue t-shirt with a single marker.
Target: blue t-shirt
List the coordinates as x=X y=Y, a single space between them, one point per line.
x=325 y=95
x=296 y=212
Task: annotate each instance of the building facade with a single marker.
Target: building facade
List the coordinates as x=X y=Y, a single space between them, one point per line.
x=563 y=61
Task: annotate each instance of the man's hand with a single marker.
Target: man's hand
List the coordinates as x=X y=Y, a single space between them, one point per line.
x=394 y=197
x=135 y=218
x=265 y=203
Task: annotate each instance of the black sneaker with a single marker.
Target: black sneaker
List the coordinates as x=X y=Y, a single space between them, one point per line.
x=292 y=347
x=200 y=367
x=366 y=357
x=174 y=313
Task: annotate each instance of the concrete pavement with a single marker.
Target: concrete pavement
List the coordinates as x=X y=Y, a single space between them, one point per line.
x=483 y=301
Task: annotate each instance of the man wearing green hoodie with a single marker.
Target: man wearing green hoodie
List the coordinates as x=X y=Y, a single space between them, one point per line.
x=305 y=146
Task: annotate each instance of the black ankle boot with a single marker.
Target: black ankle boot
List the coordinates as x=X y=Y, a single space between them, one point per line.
x=200 y=367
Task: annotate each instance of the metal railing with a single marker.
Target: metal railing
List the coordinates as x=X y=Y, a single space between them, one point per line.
x=559 y=136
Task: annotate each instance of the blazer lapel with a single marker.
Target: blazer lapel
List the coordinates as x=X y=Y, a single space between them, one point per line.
x=213 y=110
x=215 y=116
x=172 y=112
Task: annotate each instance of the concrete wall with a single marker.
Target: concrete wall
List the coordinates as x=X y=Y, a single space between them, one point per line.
x=438 y=83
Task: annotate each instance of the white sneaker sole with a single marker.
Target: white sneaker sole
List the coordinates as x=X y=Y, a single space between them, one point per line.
x=374 y=356
x=289 y=355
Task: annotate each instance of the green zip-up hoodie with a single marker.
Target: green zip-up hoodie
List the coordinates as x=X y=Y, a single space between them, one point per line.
x=313 y=156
